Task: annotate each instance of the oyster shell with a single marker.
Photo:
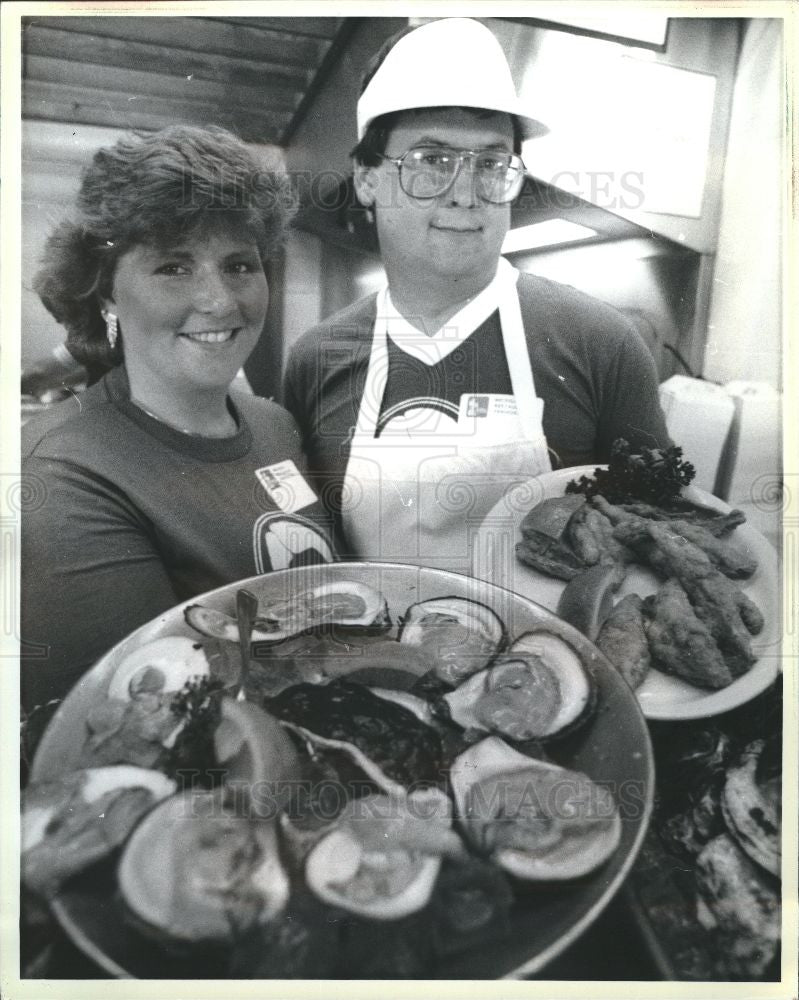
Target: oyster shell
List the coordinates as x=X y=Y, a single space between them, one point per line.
x=159 y=667
x=539 y=689
x=740 y=905
x=536 y=820
x=462 y=636
x=72 y=822
x=194 y=871
x=342 y=603
x=382 y=857
x=752 y=809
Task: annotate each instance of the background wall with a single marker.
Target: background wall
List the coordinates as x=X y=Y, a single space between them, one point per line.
x=745 y=321
x=321 y=278
x=650 y=281
x=53 y=156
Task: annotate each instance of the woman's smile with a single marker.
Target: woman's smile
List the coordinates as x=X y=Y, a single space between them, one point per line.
x=210 y=336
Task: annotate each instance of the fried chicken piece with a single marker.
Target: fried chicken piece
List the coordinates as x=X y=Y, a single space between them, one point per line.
x=728 y=613
x=622 y=638
x=590 y=533
x=727 y=557
x=740 y=905
x=681 y=644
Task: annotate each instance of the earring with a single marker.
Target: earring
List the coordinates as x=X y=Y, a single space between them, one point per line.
x=111 y=328
x=370 y=216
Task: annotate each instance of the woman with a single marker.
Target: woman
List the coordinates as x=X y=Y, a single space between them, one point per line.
x=160 y=481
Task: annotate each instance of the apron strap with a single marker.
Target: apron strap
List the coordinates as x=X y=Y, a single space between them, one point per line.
x=376 y=373
x=517 y=354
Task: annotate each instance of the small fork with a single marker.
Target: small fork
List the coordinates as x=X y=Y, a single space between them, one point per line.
x=246 y=610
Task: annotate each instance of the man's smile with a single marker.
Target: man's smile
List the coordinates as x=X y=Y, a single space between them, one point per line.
x=451 y=227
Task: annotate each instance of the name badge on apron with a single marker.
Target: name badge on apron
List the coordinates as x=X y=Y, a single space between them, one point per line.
x=494 y=416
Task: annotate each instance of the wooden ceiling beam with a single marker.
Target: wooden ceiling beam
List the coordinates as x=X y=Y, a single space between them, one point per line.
x=151 y=58
x=199 y=35
x=92 y=76
x=312 y=27
x=54 y=102
x=323 y=73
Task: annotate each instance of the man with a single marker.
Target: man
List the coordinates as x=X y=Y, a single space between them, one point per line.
x=420 y=406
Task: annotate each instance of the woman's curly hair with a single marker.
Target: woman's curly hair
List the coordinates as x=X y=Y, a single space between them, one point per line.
x=153 y=189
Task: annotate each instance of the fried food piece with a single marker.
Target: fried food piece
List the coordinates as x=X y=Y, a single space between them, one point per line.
x=590 y=533
x=681 y=644
x=550 y=557
x=727 y=557
x=623 y=640
x=727 y=612
x=740 y=905
x=714 y=521
x=544 y=545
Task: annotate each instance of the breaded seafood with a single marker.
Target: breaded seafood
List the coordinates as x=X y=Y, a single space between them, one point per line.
x=590 y=533
x=727 y=612
x=724 y=554
x=681 y=644
x=728 y=558
x=622 y=638
x=712 y=520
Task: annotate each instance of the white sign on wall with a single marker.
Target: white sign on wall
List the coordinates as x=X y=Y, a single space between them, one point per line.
x=636 y=139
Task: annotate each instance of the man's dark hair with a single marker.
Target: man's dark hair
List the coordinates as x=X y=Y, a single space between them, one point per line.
x=373 y=146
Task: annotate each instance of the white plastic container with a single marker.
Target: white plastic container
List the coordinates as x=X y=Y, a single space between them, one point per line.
x=752 y=460
x=698 y=418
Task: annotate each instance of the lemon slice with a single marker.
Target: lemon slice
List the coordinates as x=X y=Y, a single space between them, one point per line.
x=587 y=599
x=257 y=752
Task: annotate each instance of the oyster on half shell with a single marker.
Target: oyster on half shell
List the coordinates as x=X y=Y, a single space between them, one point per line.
x=539 y=689
x=194 y=871
x=159 y=667
x=342 y=603
x=71 y=822
x=536 y=820
x=461 y=636
x=383 y=855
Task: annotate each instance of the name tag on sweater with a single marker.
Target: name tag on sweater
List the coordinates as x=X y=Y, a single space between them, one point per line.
x=286 y=486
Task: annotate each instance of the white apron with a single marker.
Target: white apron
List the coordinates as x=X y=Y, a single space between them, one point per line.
x=419 y=495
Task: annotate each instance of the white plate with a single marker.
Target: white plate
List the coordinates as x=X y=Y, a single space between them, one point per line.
x=661 y=696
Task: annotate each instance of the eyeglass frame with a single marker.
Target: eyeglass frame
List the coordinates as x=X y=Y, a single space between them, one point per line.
x=461 y=155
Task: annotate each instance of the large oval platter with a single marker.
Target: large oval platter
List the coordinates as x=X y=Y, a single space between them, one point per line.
x=661 y=696
x=613 y=748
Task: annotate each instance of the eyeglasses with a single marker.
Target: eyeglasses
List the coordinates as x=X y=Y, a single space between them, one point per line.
x=429 y=171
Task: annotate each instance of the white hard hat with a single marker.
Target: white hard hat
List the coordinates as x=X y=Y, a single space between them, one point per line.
x=453 y=62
